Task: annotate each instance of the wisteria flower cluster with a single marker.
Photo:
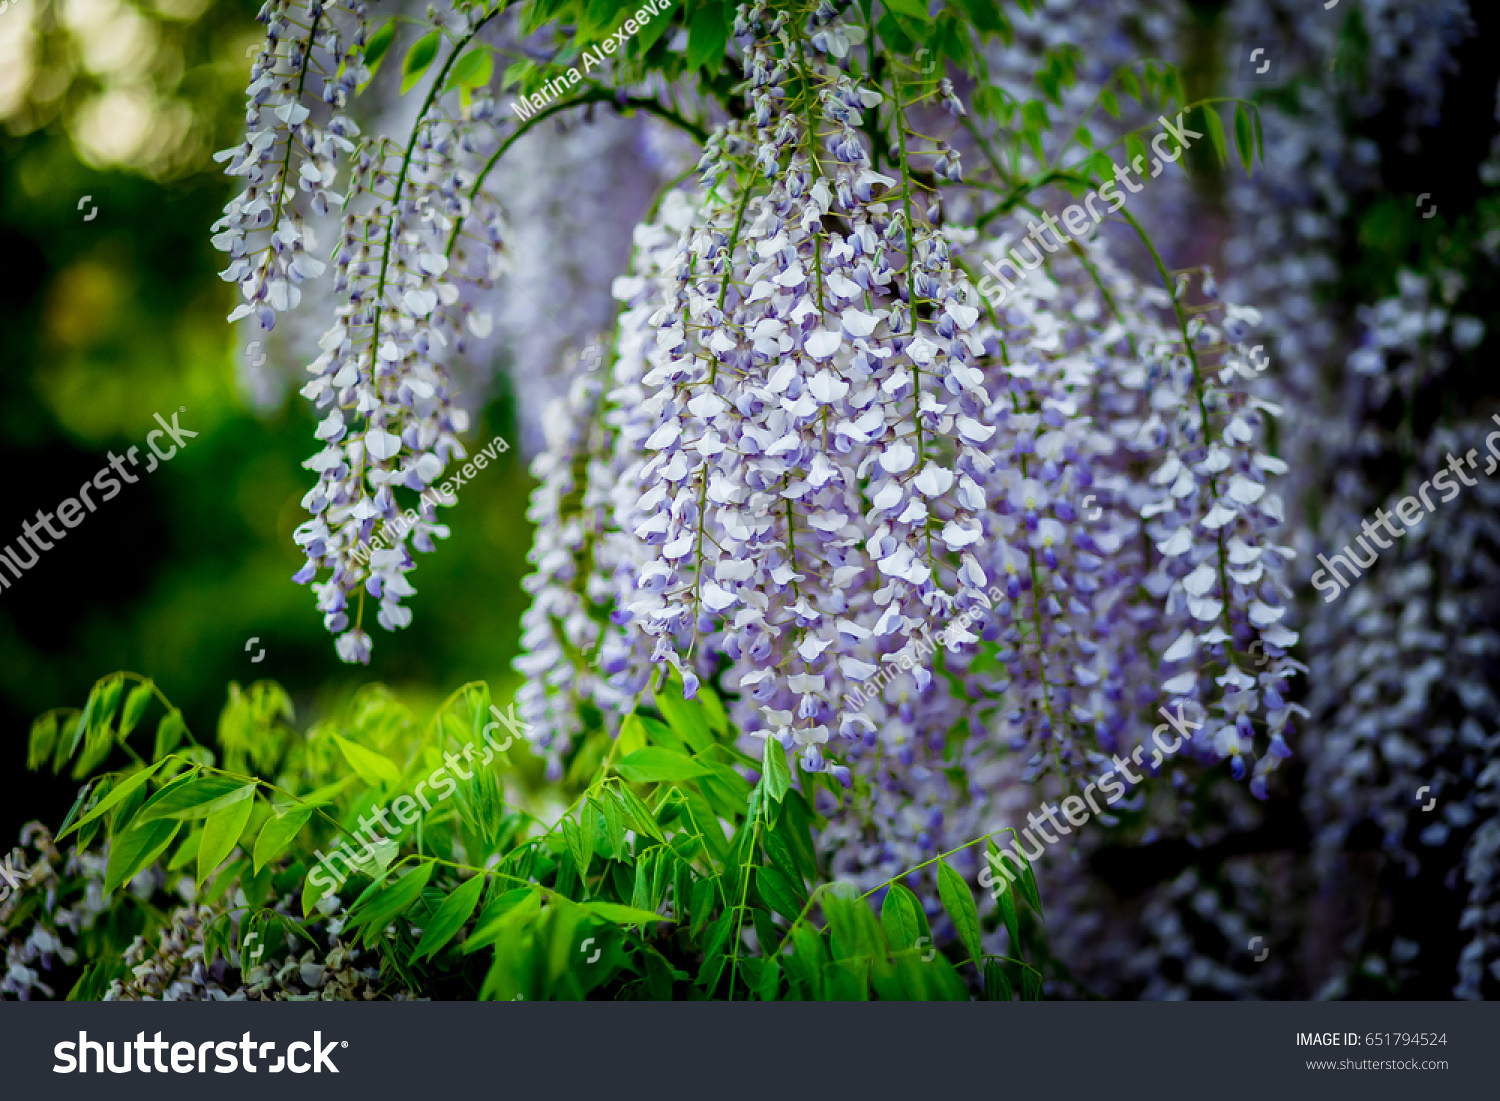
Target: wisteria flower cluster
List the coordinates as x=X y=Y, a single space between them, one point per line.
x=811 y=438
x=820 y=438
x=416 y=229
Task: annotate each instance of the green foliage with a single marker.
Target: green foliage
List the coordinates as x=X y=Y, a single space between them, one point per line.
x=418 y=58
x=647 y=886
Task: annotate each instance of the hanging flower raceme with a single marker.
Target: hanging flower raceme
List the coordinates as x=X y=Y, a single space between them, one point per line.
x=389 y=420
x=1213 y=522
x=308 y=68
x=559 y=635
x=824 y=444
x=1055 y=525
x=801 y=455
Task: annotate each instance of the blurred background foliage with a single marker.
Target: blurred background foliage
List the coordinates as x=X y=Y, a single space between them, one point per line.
x=109 y=319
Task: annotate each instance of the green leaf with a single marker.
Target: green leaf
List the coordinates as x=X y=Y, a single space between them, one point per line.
x=996 y=986
x=231 y=876
x=633 y=734
x=855 y=928
x=517 y=74
x=1215 y=130
x=901 y=917
x=194 y=797
x=655 y=764
x=574 y=838
x=614 y=825
x=958 y=900
x=375 y=859
x=444 y=925
x=83 y=724
x=169 y=732
x=136 y=849
x=685 y=717
x=1028 y=887
x=373 y=768
x=1048 y=82
x=1031 y=985
x=713 y=710
x=116 y=796
x=779 y=849
x=417 y=59
x=377 y=909
x=109 y=699
x=1244 y=137
x=313 y=892
x=808 y=959
x=708 y=34
x=1007 y=900
x=135 y=706
x=277 y=834
x=795 y=824
x=659 y=25
x=643 y=821
x=496 y=917
x=120 y=817
x=984 y=13
x=849 y=980
x=472 y=70
x=1110 y=104
x=891 y=34
x=725 y=789
x=1135 y=150
x=187 y=852
x=779 y=893
x=702 y=906
x=912 y=9
x=378 y=43
x=1034 y=115
x=623 y=915
x=588 y=834
x=222 y=832
x=640 y=893
x=83 y=794
x=778 y=777
x=96 y=749
x=596 y=18
x=1172 y=82
x=42 y=741
x=321 y=797
x=96 y=979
